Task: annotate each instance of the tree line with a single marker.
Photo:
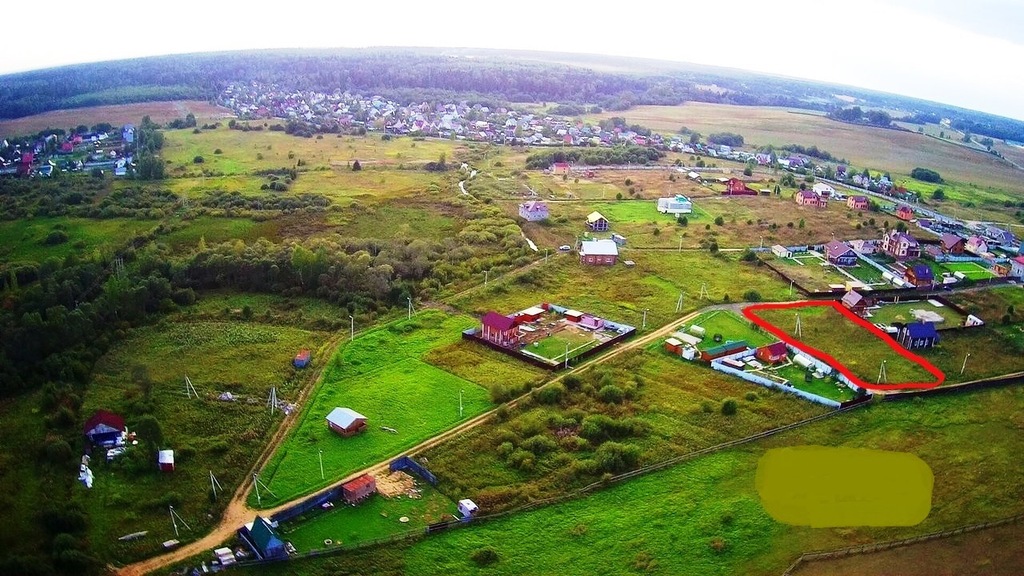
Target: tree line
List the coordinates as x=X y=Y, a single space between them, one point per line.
x=616 y=155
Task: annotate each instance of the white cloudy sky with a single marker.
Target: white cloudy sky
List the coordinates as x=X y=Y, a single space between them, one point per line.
x=963 y=52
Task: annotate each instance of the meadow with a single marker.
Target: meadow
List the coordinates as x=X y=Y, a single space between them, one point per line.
x=27 y=239
x=384 y=375
x=812 y=273
x=731 y=328
x=704 y=516
x=145 y=376
x=903 y=312
x=118 y=115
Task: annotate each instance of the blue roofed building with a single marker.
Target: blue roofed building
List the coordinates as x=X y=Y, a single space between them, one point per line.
x=918 y=335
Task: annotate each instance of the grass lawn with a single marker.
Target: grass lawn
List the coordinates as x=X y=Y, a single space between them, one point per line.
x=243 y=358
x=704 y=516
x=823 y=387
x=811 y=273
x=24 y=239
x=732 y=328
x=385 y=375
x=972 y=270
x=375 y=517
x=554 y=347
x=903 y=312
x=862 y=352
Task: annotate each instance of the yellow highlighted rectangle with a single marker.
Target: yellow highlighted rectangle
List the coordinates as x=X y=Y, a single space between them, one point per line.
x=826 y=487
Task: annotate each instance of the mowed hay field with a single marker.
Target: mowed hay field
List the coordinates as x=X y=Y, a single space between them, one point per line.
x=117 y=114
x=876 y=148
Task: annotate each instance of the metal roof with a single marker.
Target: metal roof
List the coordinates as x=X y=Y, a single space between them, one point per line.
x=599 y=248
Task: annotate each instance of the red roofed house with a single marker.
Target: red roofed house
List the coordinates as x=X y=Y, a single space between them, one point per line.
x=499 y=329
x=952 y=244
x=346 y=421
x=104 y=427
x=359 y=489
x=560 y=168
x=772 y=353
x=737 y=187
x=857 y=202
x=810 y=198
x=905 y=212
x=1017 y=267
x=840 y=254
x=598 y=252
x=976 y=245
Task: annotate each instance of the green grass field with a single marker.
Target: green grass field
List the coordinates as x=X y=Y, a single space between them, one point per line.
x=375 y=517
x=705 y=517
x=972 y=270
x=243 y=358
x=903 y=312
x=384 y=375
x=554 y=347
x=823 y=387
x=731 y=327
x=24 y=239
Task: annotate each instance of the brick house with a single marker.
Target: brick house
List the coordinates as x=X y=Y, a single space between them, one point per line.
x=857 y=202
x=900 y=245
x=810 y=198
x=598 y=252
x=840 y=254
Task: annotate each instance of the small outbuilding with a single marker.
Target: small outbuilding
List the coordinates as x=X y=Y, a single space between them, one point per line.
x=920 y=276
x=674 y=346
x=165 y=459
x=355 y=491
x=531 y=314
x=591 y=322
x=301 y=359
x=264 y=540
x=467 y=508
x=104 y=428
x=773 y=353
x=346 y=422
x=918 y=335
x=855 y=302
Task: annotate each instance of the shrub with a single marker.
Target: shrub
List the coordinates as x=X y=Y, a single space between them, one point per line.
x=198 y=160
x=539 y=444
x=218 y=151
x=719 y=221
x=485 y=556
x=616 y=457
x=521 y=459
x=611 y=394
x=504 y=449
x=752 y=296
x=56 y=237
x=718 y=544
x=550 y=394
x=750 y=397
x=729 y=406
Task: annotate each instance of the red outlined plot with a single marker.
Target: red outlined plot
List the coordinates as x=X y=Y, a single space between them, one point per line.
x=750 y=312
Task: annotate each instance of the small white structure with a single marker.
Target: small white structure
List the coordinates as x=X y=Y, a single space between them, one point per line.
x=781 y=251
x=467 y=508
x=225 y=556
x=802 y=360
x=823 y=189
x=689 y=353
x=165 y=458
x=697 y=331
x=678 y=204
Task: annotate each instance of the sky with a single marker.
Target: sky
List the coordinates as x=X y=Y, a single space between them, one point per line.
x=962 y=52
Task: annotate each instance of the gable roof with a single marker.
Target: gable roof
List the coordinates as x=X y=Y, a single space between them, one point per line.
x=836 y=248
x=344 y=417
x=950 y=240
x=104 y=417
x=898 y=236
x=776 y=349
x=923 y=272
x=594 y=217
x=263 y=535
x=534 y=206
x=922 y=330
x=359 y=483
x=599 y=248
x=497 y=321
x=853 y=298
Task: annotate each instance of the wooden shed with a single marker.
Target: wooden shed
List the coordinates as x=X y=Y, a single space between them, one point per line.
x=357 y=490
x=346 y=421
x=674 y=346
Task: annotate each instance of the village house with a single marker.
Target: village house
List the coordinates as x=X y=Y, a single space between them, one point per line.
x=905 y=213
x=855 y=302
x=533 y=211
x=596 y=222
x=920 y=276
x=823 y=189
x=346 y=422
x=598 y=252
x=840 y=254
x=810 y=198
x=917 y=335
x=737 y=187
x=900 y=245
x=857 y=202
x=1000 y=236
x=499 y=329
x=772 y=353
x=560 y=168
x=976 y=245
x=864 y=246
x=1017 y=267
x=952 y=244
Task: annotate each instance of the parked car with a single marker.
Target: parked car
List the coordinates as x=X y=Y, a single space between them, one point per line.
x=565 y=248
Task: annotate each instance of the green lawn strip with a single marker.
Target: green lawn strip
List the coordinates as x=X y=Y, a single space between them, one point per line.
x=824 y=387
x=375 y=517
x=731 y=327
x=26 y=239
x=902 y=312
x=207 y=434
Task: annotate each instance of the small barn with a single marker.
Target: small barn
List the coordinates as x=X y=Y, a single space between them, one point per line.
x=855 y=302
x=531 y=314
x=560 y=168
x=674 y=346
x=596 y=222
x=573 y=315
x=467 y=508
x=918 y=335
x=104 y=428
x=301 y=359
x=264 y=541
x=920 y=276
x=498 y=329
x=737 y=187
x=355 y=491
x=346 y=421
x=165 y=459
x=781 y=251
x=773 y=353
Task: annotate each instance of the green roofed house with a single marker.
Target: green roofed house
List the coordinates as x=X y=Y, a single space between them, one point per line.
x=265 y=542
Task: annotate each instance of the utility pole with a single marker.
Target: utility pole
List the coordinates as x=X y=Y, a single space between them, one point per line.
x=643 y=326
x=566 y=354
x=320 y=454
x=351 y=328
x=409 y=298
x=680 y=244
x=460 y=403
x=486 y=274
x=964 y=367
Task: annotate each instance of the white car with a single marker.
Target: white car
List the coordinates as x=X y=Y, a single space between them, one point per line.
x=564 y=248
